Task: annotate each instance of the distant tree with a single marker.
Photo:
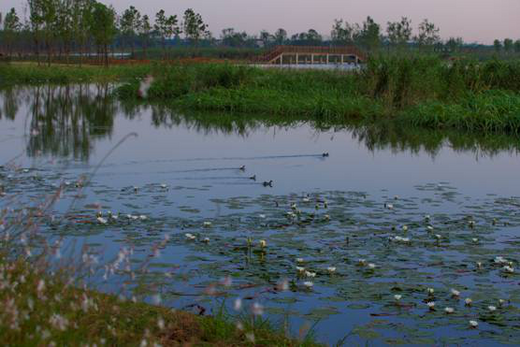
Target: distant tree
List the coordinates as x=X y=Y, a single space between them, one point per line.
x=280 y=36
x=517 y=46
x=103 y=29
x=370 y=34
x=508 y=45
x=232 y=38
x=399 y=33
x=166 y=27
x=428 y=36
x=266 y=38
x=193 y=26
x=35 y=24
x=145 y=30
x=454 y=44
x=497 y=45
x=129 y=23
x=12 y=26
x=343 y=33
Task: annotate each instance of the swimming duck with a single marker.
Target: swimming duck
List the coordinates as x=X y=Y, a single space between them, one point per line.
x=253 y=178
x=325 y=154
x=242 y=168
x=268 y=184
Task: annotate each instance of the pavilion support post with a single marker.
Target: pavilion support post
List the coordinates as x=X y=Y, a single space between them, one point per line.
x=312 y=59
x=328 y=58
x=297 y=59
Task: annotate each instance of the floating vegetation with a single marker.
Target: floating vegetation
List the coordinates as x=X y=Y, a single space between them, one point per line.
x=364 y=260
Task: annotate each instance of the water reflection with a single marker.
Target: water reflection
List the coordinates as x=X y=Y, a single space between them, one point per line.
x=66 y=121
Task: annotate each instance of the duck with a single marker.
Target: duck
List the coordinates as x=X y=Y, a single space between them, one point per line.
x=324 y=155
x=268 y=184
x=242 y=168
x=253 y=178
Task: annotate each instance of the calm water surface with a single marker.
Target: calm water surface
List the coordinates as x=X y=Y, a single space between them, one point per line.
x=182 y=172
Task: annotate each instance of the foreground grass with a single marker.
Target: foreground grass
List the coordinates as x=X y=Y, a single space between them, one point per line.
x=39 y=309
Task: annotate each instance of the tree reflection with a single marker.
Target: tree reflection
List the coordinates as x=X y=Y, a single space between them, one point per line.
x=66 y=121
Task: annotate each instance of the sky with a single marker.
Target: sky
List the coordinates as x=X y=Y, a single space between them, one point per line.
x=474 y=20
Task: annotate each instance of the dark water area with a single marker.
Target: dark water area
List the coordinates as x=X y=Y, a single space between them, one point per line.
x=354 y=238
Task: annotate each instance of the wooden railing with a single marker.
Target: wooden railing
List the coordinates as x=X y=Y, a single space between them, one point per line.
x=344 y=50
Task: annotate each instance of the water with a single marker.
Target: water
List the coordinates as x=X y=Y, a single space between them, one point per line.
x=375 y=182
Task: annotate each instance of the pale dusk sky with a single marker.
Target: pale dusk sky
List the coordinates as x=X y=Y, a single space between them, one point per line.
x=474 y=20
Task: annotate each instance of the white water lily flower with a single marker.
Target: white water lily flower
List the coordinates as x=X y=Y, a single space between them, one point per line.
x=455 y=292
x=362 y=262
x=468 y=301
x=102 y=220
x=449 y=310
x=429 y=228
x=371 y=266
x=327 y=217
x=331 y=269
x=397 y=297
x=390 y=206
x=206 y=240
x=405 y=228
x=501 y=260
x=508 y=269
x=501 y=302
x=427 y=217
x=263 y=243
x=207 y=224
x=190 y=236
x=261 y=216
x=308 y=284
x=306 y=200
x=299 y=260
x=437 y=236
x=473 y=323
x=238 y=304
x=143 y=217
x=300 y=269
x=258 y=309
x=492 y=308
x=475 y=240
x=430 y=291
x=479 y=265
x=310 y=274
x=431 y=305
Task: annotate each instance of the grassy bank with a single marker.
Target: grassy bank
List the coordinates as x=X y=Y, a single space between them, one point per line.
x=38 y=310
x=423 y=91
x=31 y=73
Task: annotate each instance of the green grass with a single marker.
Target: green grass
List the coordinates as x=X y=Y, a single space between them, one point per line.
x=31 y=73
x=39 y=309
x=423 y=91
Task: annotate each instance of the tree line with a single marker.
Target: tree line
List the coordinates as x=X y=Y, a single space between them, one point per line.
x=81 y=27
x=78 y=28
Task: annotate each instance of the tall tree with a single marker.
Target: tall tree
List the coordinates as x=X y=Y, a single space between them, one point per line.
x=35 y=24
x=103 y=29
x=517 y=46
x=193 y=25
x=399 y=33
x=428 y=35
x=144 y=31
x=508 y=45
x=130 y=20
x=454 y=44
x=12 y=27
x=280 y=36
x=497 y=45
x=166 y=27
x=370 y=34
x=343 y=33
x=266 y=38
